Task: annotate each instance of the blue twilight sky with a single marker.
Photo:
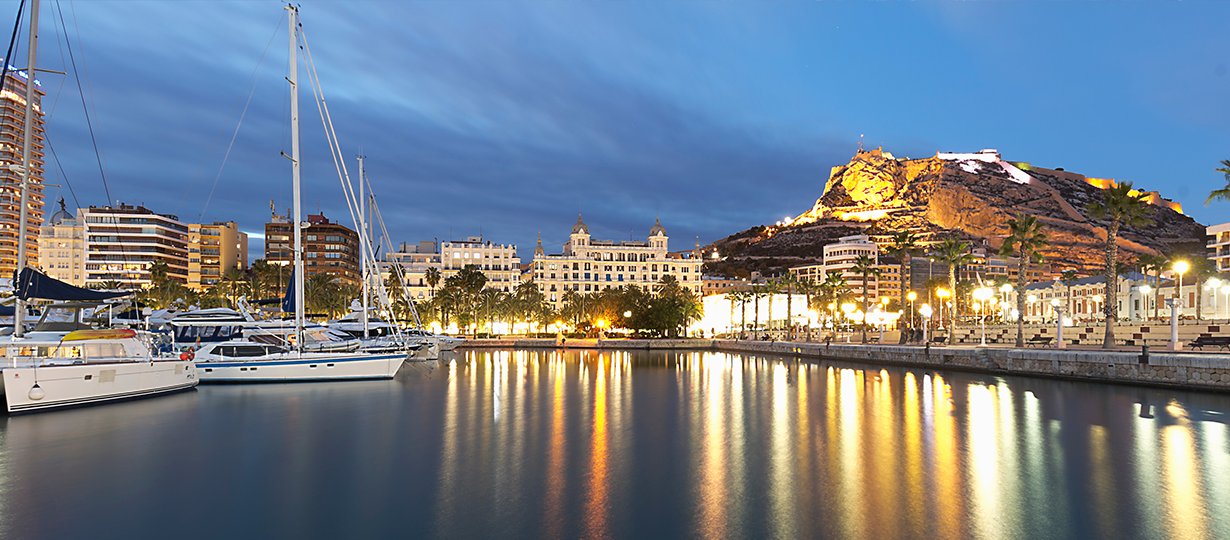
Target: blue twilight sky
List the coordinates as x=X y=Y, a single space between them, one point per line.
x=508 y=118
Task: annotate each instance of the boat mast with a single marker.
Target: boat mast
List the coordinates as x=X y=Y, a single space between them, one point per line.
x=363 y=242
x=293 y=79
x=27 y=166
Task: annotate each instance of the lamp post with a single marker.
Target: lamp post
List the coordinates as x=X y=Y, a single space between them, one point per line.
x=943 y=294
x=1225 y=291
x=911 y=296
x=1212 y=285
x=1144 y=298
x=982 y=294
x=925 y=311
x=1174 y=323
x=1180 y=267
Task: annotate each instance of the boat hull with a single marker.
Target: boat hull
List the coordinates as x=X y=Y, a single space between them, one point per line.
x=85 y=384
x=343 y=367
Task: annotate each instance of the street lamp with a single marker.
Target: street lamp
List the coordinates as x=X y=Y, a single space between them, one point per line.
x=911 y=296
x=1144 y=297
x=1225 y=291
x=925 y=311
x=982 y=294
x=943 y=294
x=1180 y=267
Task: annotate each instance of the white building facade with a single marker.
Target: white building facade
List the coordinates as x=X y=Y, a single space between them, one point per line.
x=122 y=242
x=587 y=266
x=499 y=262
x=841 y=256
x=61 y=245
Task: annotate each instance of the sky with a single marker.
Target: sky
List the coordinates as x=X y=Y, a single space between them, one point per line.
x=507 y=119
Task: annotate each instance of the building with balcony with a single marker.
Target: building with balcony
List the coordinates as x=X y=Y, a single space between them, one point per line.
x=12 y=128
x=499 y=262
x=1219 y=245
x=328 y=247
x=213 y=249
x=415 y=260
x=587 y=266
x=841 y=256
x=121 y=243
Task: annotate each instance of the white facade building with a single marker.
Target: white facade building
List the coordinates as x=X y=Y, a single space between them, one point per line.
x=840 y=257
x=499 y=262
x=1219 y=245
x=588 y=266
x=122 y=242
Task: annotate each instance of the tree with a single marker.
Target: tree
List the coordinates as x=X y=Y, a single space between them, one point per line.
x=866 y=267
x=954 y=253
x=904 y=246
x=1025 y=241
x=324 y=294
x=787 y=284
x=1201 y=268
x=757 y=290
x=1222 y=194
x=1121 y=206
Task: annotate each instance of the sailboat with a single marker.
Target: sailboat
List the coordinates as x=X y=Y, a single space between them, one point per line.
x=64 y=361
x=255 y=361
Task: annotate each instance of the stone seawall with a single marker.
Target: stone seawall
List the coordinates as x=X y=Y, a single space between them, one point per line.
x=1181 y=370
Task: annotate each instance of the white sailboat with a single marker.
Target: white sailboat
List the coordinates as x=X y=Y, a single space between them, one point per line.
x=64 y=362
x=252 y=361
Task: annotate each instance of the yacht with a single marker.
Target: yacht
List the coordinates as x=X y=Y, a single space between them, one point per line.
x=281 y=350
x=65 y=362
x=376 y=335
x=444 y=342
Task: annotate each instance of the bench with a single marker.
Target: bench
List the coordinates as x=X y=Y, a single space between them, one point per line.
x=1222 y=342
x=939 y=339
x=1040 y=341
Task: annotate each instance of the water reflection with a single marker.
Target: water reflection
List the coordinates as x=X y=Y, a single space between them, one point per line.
x=631 y=444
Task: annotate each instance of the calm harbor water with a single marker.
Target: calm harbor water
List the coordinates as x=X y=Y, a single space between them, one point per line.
x=628 y=444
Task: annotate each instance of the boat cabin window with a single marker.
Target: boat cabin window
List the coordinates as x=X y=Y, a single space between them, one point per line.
x=240 y=351
x=205 y=333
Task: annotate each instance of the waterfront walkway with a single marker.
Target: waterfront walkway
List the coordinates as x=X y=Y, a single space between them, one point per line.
x=1208 y=371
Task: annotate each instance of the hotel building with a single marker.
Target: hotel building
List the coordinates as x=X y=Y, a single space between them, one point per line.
x=328 y=247
x=415 y=260
x=587 y=266
x=121 y=243
x=12 y=126
x=840 y=258
x=214 y=248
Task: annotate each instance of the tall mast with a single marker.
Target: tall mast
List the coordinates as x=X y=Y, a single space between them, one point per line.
x=27 y=166
x=363 y=236
x=293 y=79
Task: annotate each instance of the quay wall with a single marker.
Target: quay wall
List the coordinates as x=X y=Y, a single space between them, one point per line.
x=1170 y=369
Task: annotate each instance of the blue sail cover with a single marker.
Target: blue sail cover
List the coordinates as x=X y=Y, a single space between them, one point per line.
x=288 y=300
x=31 y=283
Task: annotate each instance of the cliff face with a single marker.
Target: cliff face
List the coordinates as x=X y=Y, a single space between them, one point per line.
x=967 y=195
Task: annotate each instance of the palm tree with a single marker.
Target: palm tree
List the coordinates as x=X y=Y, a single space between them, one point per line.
x=954 y=253
x=904 y=246
x=1121 y=206
x=771 y=288
x=1025 y=241
x=1201 y=268
x=1222 y=194
x=757 y=290
x=866 y=267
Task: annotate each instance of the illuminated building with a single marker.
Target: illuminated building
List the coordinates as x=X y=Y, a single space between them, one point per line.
x=213 y=249
x=587 y=266
x=12 y=126
x=328 y=247
x=121 y=243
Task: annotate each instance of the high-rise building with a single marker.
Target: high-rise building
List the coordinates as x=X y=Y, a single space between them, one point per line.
x=213 y=249
x=588 y=266
x=121 y=243
x=12 y=127
x=61 y=247
x=328 y=247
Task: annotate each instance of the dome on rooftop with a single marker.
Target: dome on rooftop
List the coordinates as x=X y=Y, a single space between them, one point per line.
x=580 y=227
x=60 y=215
x=657 y=229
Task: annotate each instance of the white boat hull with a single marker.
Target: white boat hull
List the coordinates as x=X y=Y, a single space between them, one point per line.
x=83 y=384
x=305 y=368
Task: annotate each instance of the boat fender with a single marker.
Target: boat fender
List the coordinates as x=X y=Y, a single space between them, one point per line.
x=188 y=354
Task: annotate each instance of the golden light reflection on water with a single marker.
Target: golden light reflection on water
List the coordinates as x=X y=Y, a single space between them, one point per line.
x=773 y=452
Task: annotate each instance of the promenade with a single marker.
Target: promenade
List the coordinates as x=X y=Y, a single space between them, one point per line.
x=1205 y=371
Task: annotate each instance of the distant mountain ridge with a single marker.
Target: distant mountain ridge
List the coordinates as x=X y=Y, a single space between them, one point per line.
x=969 y=195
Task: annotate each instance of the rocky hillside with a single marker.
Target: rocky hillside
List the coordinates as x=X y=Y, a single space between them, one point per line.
x=971 y=196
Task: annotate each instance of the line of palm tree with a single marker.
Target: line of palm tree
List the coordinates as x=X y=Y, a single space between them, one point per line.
x=904 y=246
x=954 y=253
x=1121 y=206
x=865 y=266
x=1025 y=241
x=1150 y=264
